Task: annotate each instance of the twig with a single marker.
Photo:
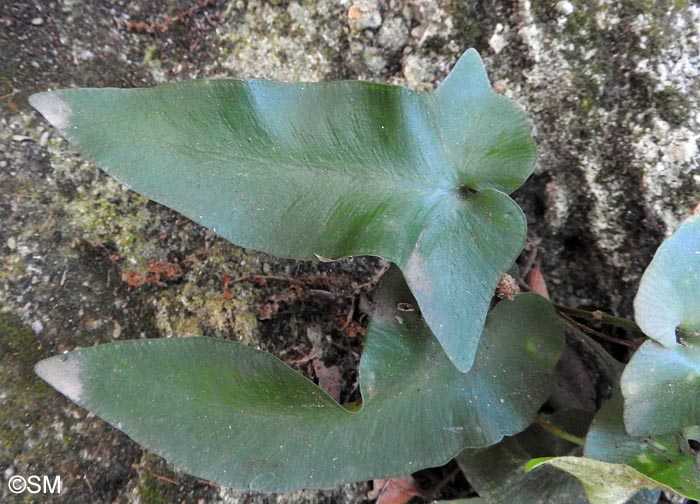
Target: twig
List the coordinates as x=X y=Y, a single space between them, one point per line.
x=163 y=25
x=165 y=478
x=85 y=478
x=369 y=285
x=438 y=488
x=351 y=313
x=560 y=433
x=207 y=482
x=585 y=328
x=254 y=278
x=315 y=352
x=530 y=261
x=600 y=316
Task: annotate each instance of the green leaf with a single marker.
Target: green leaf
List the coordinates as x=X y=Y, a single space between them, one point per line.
x=668 y=300
x=666 y=460
x=603 y=482
x=661 y=388
x=240 y=417
x=332 y=169
x=662 y=462
x=498 y=473
x=661 y=383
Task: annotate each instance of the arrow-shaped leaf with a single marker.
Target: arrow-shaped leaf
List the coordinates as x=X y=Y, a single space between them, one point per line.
x=666 y=460
x=334 y=169
x=498 y=472
x=667 y=303
x=603 y=482
x=662 y=389
x=242 y=418
x=661 y=383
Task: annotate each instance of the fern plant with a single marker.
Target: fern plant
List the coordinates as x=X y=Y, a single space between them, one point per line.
x=335 y=169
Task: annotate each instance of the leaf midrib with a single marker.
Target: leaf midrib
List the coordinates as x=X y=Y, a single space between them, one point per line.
x=413 y=181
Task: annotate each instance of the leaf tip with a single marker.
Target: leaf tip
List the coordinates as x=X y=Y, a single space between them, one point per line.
x=536 y=462
x=63 y=373
x=467 y=79
x=463 y=361
x=56 y=110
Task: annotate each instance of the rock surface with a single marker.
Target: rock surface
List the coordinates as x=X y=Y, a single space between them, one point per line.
x=611 y=88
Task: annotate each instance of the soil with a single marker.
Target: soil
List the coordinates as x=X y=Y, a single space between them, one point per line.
x=611 y=90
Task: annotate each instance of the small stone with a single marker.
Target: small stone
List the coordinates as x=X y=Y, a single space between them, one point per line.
x=11 y=243
x=44 y=139
x=117 y=331
x=564 y=8
x=682 y=151
x=497 y=41
x=364 y=14
x=37 y=21
x=393 y=34
x=374 y=60
x=37 y=326
x=415 y=72
x=87 y=54
x=22 y=138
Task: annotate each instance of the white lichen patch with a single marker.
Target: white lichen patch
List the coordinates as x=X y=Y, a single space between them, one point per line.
x=640 y=151
x=269 y=51
x=678 y=65
x=529 y=31
x=670 y=157
x=498 y=39
x=64 y=374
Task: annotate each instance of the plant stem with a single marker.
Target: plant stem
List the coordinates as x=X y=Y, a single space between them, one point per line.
x=601 y=316
x=560 y=433
x=430 y=497
x=598 y=334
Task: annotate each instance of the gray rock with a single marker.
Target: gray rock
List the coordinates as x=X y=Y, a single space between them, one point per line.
x=393 y=34
x=364 y=14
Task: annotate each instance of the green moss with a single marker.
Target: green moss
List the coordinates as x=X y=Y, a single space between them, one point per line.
x=19 y=351
x=582 y=28
x=149 y=491
x=605 y=51
x=589 y=94
x=150 y=56
x=672 y=106
x=11 y=436
x=17 y=342
x=469 y=21
x=101 y=217
x=587 y=104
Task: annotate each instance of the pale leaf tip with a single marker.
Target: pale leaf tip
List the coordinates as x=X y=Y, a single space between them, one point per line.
x=49 y=104
x=468 y=78
x=63 y=373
